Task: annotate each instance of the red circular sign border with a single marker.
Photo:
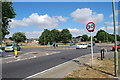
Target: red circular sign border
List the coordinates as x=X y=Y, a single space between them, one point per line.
x=93 y=28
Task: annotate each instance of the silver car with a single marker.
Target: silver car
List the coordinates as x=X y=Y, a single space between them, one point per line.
x=10 y=47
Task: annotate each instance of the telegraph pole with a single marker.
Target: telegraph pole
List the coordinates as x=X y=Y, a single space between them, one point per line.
x=115 y=52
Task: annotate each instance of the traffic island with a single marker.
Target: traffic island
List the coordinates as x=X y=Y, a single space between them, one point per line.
x=101 y=69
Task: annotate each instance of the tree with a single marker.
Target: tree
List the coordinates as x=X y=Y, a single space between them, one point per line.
x=101 y=35
x=85 y=37
x=93 y=38
x=18 y=37
x=45 y=37
x=118 y=38
x=55 y=34
x=7 y=14
x=65 y=35
x=110 y=37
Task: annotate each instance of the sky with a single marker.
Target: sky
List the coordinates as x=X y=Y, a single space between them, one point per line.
x=33 y=17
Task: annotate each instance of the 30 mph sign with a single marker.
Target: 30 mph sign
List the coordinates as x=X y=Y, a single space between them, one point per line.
x=90 y=26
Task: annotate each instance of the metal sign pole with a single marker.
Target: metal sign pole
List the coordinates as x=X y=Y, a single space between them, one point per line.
x=90 y=27
x=91 y=50
x=115 y=52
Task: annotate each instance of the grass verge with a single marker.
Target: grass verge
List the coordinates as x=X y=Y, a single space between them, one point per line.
x=101 y=69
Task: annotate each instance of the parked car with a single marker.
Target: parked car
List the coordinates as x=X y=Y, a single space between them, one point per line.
x=118 y=47
x=10 y=47
x=82 y=46
x=89 y=45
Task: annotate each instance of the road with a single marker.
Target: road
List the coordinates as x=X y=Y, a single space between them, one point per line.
x=25 y=68
x=27 y=50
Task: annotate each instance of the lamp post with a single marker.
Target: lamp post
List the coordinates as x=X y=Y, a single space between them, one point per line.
x=115 y=52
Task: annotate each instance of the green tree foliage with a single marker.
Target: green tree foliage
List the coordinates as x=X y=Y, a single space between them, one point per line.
x=54 y=35
x=104 y=36
x=7 y=13
x=93 y=38
x=18 y=37
x=45 y=37
x=101 y=34
x=85 y=37
x=65 y=35
x=118 y=38
x=110 y=38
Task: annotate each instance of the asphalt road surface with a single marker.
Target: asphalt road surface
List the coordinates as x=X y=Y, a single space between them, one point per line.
x=25 y=68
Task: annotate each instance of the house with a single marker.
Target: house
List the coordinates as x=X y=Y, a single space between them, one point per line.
x=32 y=40
x=7 y=41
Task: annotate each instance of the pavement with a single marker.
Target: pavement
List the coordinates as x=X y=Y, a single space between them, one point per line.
x=62 y=70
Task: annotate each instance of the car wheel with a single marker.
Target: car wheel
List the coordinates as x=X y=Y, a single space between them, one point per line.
x=118 y=49
x=19 y=49
x=5 y=51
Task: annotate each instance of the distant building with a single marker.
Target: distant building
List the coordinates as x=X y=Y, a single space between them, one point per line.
x=7 y=41
x=79 y=38
x=32 y=40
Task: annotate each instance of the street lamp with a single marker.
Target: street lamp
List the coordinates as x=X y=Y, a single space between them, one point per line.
x=115 y=52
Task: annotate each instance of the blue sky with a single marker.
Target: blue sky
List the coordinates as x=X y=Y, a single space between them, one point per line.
x=33 y=17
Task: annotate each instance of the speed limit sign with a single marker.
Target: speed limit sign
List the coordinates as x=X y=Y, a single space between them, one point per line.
x=90 y=26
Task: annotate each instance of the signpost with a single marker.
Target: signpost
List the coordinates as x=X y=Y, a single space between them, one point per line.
x=90 y=27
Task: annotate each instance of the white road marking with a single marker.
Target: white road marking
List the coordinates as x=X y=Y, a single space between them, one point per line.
x=18 y=58
x=47 y=54
x=9 y=55
x=46 y=70
x=51 y=68
x=35 y=56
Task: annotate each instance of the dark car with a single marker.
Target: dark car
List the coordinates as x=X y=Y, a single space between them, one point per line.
x=10 y=47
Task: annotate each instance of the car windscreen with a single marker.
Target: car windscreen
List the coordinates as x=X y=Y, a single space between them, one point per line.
x=118 y=45
x=82 y=44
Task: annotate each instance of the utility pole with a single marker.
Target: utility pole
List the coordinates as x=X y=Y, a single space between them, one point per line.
x=115 y=52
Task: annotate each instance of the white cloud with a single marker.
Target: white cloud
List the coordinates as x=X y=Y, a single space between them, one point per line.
x=86 y=15
x=108 y=23
x=77 y=32
x=15 y=23
x=109 y=29
x=33 y=34
x=63 y=19
x=111 y=23
x=43 y=21
x=116 y=13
